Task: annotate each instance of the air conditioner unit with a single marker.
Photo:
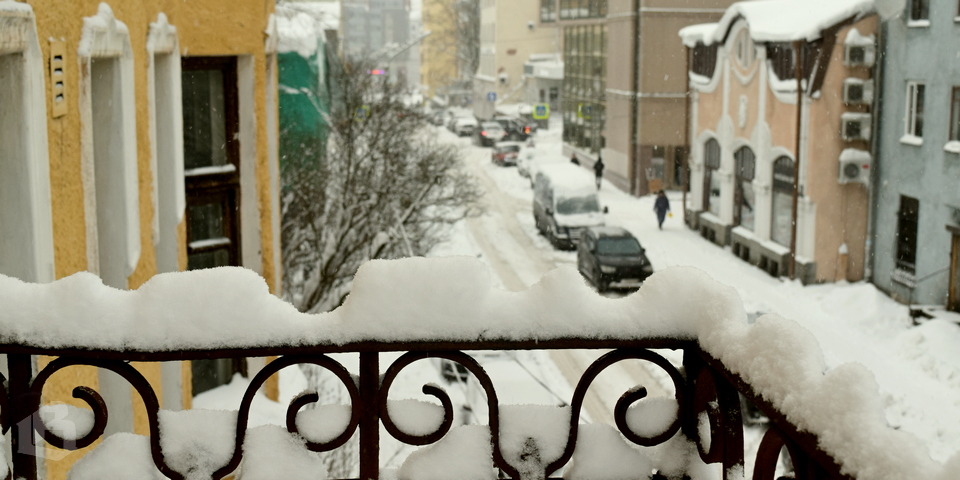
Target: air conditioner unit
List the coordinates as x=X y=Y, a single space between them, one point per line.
x=859 y=50
x=855 y=126
x=854 y=166
x=857 y=91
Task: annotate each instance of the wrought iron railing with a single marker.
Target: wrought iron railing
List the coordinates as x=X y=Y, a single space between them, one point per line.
x=706 y=393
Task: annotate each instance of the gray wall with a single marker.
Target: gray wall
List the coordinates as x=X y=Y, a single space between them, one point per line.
x=925 y=172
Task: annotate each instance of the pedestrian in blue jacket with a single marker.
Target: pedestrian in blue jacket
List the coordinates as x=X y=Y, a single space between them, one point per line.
x=661 y=206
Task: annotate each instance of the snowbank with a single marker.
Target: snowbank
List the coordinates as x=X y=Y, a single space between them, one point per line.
x=454 y=299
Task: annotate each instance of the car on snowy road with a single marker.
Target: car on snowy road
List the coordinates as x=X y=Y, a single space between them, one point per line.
x=505 y=153
x=489 y=134
x=565 y=202
x=611 y=257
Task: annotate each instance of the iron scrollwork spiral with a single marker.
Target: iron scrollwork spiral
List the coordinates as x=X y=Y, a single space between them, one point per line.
x=623 y=404
x=152 y=405
x=478 y=372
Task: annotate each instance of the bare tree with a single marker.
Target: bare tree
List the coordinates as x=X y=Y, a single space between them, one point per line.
x=384 y=188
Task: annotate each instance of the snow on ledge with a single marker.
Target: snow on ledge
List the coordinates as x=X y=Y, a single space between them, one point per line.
x=454 y=298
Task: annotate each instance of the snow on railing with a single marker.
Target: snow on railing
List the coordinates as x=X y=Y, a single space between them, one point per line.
x=830 y=421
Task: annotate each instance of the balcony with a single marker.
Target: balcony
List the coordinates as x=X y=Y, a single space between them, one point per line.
x=703 y=349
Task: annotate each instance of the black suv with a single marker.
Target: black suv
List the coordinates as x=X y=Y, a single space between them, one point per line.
x=610 y=257
x=517 y=129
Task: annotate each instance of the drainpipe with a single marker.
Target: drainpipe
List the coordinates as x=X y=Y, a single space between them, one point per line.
x=792 y=266
x=686 y=135
x=877 y=108
x=635 y=102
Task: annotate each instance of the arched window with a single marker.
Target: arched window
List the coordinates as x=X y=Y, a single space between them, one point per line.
x=711 y=181
x=745 y=50
x=782 y=216
x=744 y=196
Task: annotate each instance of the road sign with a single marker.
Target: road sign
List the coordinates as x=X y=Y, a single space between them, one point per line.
x=585 y=111
x=541 y=111
x=361 y=113
x=491 y=96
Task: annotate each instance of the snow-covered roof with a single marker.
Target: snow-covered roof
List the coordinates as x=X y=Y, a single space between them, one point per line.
x=779 y=20
x=300 y=26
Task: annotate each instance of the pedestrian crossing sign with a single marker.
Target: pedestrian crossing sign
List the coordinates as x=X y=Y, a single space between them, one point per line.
x=541 y=111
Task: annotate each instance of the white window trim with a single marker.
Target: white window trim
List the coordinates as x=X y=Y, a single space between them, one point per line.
x=18 y=34
x=921 y=23
x=251 y=246
x=910 y=117
x=169 y=197
x=103 y=36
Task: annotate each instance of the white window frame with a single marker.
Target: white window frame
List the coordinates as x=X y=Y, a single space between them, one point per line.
x=27 y=251
x=105 y=37
x=910 y=113
x=166 y=141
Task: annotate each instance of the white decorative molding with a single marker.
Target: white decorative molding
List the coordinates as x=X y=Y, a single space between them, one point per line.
x=742 y=111
x=16 y=26
x=162 y=37
x=103 y=35
x=273 y=39
x=165 y=103
x=26 y=248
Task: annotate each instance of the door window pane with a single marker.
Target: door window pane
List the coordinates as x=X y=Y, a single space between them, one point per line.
x=907 y=234
x=204 y=119
x=782 y=221
x=206 y=221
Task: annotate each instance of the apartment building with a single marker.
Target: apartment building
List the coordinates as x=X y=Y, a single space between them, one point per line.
x=758 y=166
x=137 y=138
x=509 y=34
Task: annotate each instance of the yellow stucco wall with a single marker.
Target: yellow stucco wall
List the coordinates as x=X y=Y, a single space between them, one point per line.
x=438 y=52
x=204 y=28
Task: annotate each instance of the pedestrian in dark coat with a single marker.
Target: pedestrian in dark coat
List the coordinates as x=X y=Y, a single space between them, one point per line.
x=573 y=159
x=598 y=168
x=661 y=206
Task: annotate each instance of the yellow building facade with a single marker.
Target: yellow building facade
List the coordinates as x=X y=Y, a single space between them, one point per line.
x=140 y=137
x=438 y=53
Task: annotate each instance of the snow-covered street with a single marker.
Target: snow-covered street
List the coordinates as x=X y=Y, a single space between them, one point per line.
x=917 y=367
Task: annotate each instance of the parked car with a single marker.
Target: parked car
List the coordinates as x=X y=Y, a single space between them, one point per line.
x=489 y=134
x=565 y=202
x=505 y=153
x=436 y=118
x=611 y=257
x=526 y=159
x=465 y=126
x=517 y=129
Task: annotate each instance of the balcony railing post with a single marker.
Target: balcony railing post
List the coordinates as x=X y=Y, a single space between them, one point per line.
x=21 y=416
x=369 y=416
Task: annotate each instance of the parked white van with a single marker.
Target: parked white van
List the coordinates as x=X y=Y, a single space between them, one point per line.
x=565 y=202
